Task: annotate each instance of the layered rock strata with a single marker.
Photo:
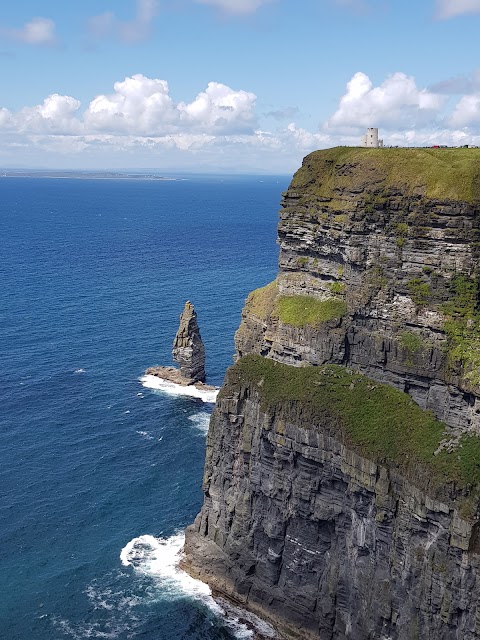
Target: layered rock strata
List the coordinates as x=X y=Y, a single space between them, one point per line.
x=377 y=232
x=188 y=351
x=326 y=542
x=336 y=505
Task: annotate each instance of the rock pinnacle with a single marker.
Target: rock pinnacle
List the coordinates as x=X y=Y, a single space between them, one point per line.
x=188 y=349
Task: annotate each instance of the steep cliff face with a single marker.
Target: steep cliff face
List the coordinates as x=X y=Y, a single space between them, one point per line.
x=335 y=505
x=327 y=537
x=393 y=237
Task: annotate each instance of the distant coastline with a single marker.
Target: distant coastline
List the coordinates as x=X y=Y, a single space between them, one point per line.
x=82 y=175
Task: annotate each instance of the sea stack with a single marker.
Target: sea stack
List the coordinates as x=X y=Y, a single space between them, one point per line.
x=189 y=352
x=188 y=349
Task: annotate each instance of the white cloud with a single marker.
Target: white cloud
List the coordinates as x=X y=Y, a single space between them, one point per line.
x=138 y=29
x=143 y=106
x=396 y=103
x=220 y=109
x=466 y=112
x=5 y=117
x=39 y=31
x=140 y=124
x=138 y=105
x=287 y=113
x=57 y=114
x=451 y=8
x=236 y=7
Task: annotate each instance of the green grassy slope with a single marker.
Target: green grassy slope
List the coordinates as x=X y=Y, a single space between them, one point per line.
x=376 y=420
x=450 y=174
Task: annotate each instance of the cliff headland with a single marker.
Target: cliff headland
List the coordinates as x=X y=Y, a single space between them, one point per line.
x=342 y=477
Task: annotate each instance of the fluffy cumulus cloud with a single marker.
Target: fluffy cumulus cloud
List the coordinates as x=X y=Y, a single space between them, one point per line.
x=219 y=109
x=237 y=7
x=452 y=8
x=140 y=124
x=466 y=112
x=139 y=105
x=56 y=115
x=397 y=102
x=143 y=106
x=38 y=31
x=136 y=30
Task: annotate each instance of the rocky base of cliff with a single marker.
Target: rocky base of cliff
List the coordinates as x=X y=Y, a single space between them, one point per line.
x=171 y=374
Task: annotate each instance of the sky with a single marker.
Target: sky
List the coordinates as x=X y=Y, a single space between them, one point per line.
x=247 y=86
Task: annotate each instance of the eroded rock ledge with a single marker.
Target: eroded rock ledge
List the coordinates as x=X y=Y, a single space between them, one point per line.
x=322 y=532
x=393 y=235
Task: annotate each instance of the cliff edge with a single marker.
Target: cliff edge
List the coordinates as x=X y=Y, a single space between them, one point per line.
x=379 y=262
x=342 y=476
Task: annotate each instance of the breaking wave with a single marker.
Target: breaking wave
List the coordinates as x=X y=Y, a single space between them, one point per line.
x=201 y=421
x=159 y=384
x=160 y=559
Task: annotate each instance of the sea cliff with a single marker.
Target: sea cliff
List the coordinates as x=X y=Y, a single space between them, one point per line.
x=343 y=459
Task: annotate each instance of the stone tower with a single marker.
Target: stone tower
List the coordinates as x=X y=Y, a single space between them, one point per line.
x=370 y=139
x=188 y=349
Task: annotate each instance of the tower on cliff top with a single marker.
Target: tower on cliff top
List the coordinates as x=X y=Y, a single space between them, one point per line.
x=370 y=139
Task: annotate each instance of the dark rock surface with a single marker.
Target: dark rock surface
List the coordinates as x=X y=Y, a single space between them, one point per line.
x=188 y=349
x=391 y=258
x=296 y=524
x=323 y=542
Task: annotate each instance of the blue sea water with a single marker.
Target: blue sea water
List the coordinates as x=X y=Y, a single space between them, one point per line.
x=93 y=276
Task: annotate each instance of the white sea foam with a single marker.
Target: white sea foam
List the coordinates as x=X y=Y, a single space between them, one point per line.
x=201 y=421
x=160 y=559
x=145 y=435
x=159 y=384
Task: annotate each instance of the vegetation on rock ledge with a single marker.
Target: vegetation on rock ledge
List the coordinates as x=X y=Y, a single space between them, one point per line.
x=463 y=326
x=376 y=420
x=300 y=311
x=296 y=311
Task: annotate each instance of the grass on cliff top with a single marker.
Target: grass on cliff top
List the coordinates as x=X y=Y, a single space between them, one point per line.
x=436 y=173
x=376 y=420
x=296 y=311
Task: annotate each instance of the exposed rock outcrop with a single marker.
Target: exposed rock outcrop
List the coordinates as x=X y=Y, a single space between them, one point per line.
x=403 y=258
x=188 y=349
x=325 y=542
x=332 y=507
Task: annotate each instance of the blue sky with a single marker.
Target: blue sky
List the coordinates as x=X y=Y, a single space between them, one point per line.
x=231 y=85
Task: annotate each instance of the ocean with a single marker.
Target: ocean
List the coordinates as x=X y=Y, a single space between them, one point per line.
x=99 y=474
